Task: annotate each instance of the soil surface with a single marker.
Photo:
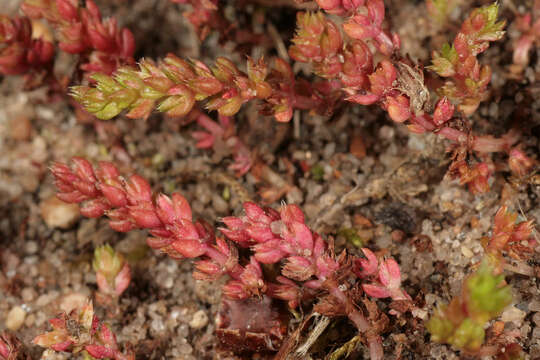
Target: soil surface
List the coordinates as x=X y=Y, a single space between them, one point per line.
x=364 y=172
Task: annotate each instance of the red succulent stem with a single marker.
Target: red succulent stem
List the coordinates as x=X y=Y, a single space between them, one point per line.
x=82 y=30
x=272 y=236
x=359 y=320
x=19 y=52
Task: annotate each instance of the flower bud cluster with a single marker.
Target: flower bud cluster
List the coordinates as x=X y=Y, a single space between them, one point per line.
x=113 y=273
x=519 y=163
x=82 y=330
x=396 y=86
x=309 y=265
x=467 y=79
x=318 y=41
x=81 y=30
x=131 y=205
x=19 y=52
x=461 y=323
x=283 y=237
x=508 y=236
x=385 y=274
x=11 y=347
x=367 y=24
x=476 y=177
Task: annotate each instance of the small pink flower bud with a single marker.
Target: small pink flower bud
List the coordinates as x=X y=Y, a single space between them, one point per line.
x=479 y=183
x=522 y=231
x=138 y=190
x=83 y=169
x=269 y=252
x=382 y=80
x=389 y=274
x=319 y=246
x=116 y=196
x=5 y=351
x=122 y=280
x=67 y=10
x=519 y=163
x=94 y=208
x=182 y=209
x=292 y=213
x=112 y=271
x=521 y=50
x=61 y=346
x=255 y=213
x=329 y=5
x=86 y=188
x=164 y=209
x=120 y=220
x=100 y=351
x=398 y=108
x=70 y=197
x=100 y=40
x=376 y=291
x=326 y=266
x=286 y=290
x=93 y=10
x=302 y=238
x=368 y=266
x=260 y=232
x=444 y=110
x=204 y=140
x=238 y=236
x=234 y=289
x=145 y=216
x=189 y=248
x=106 y=171
x=298 y=268
x=184 y=229
x=252 y=278
x=107 y=337
x=364 y=99
x=206 y=269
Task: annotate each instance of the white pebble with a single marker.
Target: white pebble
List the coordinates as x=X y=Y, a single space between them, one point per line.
x=200 y=319
x=15 y=318
x=58 y=214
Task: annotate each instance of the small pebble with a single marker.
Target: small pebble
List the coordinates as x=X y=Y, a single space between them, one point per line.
x=46 y=298
x=31 y=247
x=536 y=319
x=15 y=318
x=466 y=251
x=20 y=128
x=219 y=204
x=58 y=214
x=157 y=326
x=534 y=305
x=28 y=294
x=30 y=320
x=200 y=319
x=513 y=314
